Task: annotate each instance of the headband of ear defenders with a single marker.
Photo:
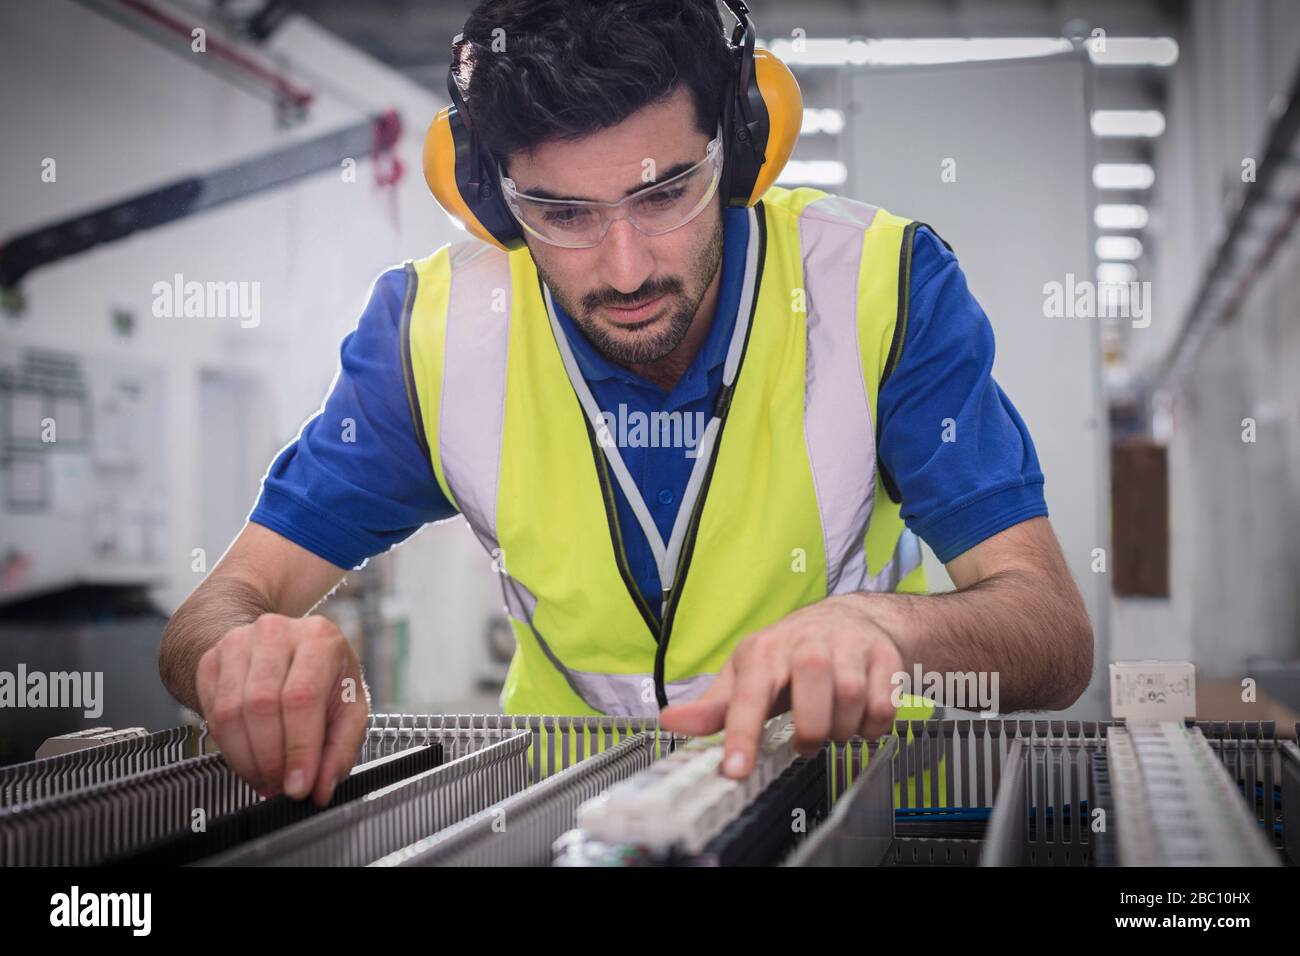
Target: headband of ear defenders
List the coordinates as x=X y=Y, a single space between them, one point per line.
x=761 y=116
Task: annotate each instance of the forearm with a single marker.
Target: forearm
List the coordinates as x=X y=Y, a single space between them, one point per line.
x=1027 y=627
x=218 y=605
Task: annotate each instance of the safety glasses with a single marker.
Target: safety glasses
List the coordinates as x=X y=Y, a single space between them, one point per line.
x=661 y=208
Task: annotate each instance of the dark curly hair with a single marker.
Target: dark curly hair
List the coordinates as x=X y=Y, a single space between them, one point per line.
x=564 y=68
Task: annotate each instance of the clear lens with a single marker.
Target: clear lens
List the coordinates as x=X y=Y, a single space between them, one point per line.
x=654 y=211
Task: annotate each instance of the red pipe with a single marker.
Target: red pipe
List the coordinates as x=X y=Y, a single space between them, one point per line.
x=283 y=87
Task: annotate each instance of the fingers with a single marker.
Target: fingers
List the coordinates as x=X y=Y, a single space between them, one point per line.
x=760 y=675
x=721 y=688
x=707 y=713
x=226 y=718
x=345 y=730
x=833 y=675
x=852 y=691
x=268 y=666
x=812 y=693
x=883 y=662
x=272 y=693
x=304 y=704
x=698 y=718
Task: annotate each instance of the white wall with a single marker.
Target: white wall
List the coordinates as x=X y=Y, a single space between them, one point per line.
x=119 y=114
x=1235 y=506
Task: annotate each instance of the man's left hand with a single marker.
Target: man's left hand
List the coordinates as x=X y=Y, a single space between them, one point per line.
x=831 y=663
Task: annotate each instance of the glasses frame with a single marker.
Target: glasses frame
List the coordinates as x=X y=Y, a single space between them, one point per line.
x=713 y=154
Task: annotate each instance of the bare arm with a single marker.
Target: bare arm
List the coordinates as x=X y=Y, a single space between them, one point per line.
x=281 y=693
x=1016 y=611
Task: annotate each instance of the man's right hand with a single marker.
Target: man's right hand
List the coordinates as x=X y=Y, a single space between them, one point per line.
x=284 y=699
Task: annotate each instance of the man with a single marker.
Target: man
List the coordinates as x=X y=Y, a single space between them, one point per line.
x=817 y=379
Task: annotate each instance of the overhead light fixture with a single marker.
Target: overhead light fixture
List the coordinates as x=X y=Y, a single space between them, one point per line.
x=822 y=121
x=1123 y=176
x=1120 y=216
x=1118 y=247
x=819 y=51
x=1116 y=272
x=1133 y=51
x=813 y=172
x=841 y=51
x=962 y=49
x=1109 y=123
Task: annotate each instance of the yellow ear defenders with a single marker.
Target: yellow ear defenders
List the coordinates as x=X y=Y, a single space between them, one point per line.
x=761 y=116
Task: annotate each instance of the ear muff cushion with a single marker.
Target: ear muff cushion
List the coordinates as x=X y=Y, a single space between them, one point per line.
x=439 y=162
x=784 y=102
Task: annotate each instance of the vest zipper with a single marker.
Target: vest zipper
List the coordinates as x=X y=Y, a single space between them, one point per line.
x=672 y=595
x=616 y=533
x=661 y=630
x=721 y=410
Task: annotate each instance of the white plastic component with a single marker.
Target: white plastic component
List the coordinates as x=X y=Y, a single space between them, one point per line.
x=83 y=739
x=1152 y=691
x=683 y=800
x=1177 y=806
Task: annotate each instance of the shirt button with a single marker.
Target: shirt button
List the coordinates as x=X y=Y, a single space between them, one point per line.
x=665 y=496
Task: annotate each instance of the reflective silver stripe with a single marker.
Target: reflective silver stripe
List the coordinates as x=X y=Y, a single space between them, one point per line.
x=522 y=603
x=666 y=555
x=906 y=559
x=473 y=406
x=837 y=417
x=633 y=695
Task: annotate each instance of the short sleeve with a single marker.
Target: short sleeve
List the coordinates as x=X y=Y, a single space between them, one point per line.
x=356 y=480
x=953 y=446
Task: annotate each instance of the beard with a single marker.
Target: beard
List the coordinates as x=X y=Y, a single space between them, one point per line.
x=656 y=337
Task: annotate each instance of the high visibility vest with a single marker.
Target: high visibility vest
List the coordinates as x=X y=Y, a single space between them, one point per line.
x=785 y=504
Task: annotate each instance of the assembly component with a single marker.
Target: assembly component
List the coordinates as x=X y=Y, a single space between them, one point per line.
x=1290 y=776
x=167 y=814
x=1102 y=804
x=1131 y=824
x=97 y=737
x=105 y=757
x=77 y=740
x=456 y=741
x=1234 y=832
x=1006 y=842
x=91 y=825
x=1176 y=803
x=683 y=800
x=953 y=766
x=860 y=828
x=557 y=742
x=180 y=847
x=763 y=834
x=1152 y=691
x=361 y=832
x=522 y=830
x=766 y=832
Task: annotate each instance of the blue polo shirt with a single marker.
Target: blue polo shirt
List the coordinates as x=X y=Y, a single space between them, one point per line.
x=349 y=500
